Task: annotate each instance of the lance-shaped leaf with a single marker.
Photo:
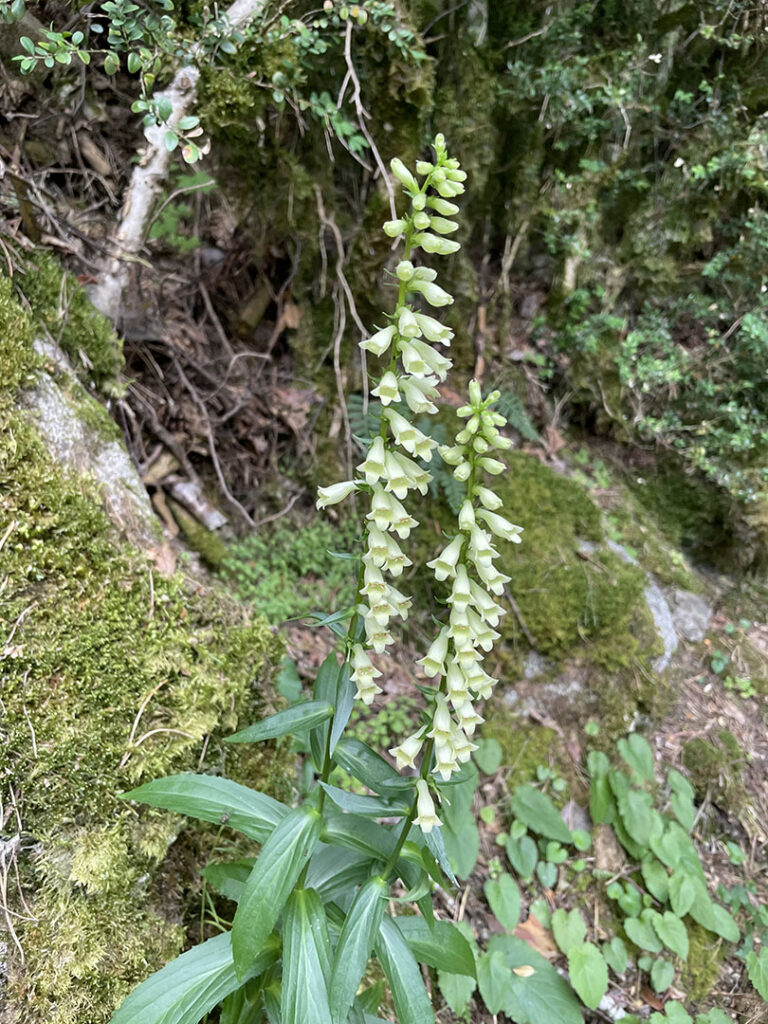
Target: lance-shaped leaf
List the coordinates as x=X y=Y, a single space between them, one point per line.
x=368 y=806
x=296 y=718
x=412 y=1004
x=357 y=833
x=440 y=945
x=229 y=877
x=327 y=681
x=274 y=875
x=353 y=949
x=333 y=871
x=306 y=960
x=186 y=989
x=210 y=798
x=369 y=768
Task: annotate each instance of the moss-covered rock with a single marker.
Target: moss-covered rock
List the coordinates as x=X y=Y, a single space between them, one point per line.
x=716 y=768
x=110 y=674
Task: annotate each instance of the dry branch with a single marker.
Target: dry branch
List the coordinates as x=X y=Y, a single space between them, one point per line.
x=151 y=173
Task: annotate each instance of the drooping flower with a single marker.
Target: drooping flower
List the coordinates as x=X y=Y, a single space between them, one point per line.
x=426 y=818
x=335 y=493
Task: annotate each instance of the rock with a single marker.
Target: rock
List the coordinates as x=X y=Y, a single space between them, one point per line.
x=536 y=665
x=662 y=619
x=691 y=615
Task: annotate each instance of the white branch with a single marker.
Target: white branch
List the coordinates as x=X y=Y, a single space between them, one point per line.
x=151 y=173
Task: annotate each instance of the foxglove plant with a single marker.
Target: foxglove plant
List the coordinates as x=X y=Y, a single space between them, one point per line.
x=312 y=907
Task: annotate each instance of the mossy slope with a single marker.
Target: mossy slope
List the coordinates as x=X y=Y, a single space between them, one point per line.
x=110 y=674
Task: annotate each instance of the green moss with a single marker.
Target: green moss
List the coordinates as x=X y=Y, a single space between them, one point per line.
x=60 y=305
x=112 y=674
x=524 y=746
x=716 y=767
x=700 y=971
x=207 y=543
x=566 y=595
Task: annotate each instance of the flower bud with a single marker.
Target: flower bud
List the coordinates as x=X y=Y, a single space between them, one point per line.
x=492 y=466
x=442 y=206
x=404 y=270
x=449 y=189
x=454 y=174
x=463 y=472
x=421 y=220
x=424 y=274
x=475 y=394
x=423 y=167
x=335 y=493
x=393 y=228
x=419 y=201
x=452 y=456
x=466 y=515
x=488 y=499
x=441 y=226
x=434 y=243
x=403 y=175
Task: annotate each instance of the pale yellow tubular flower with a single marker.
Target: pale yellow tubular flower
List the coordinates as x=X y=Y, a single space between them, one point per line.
x=426 y=818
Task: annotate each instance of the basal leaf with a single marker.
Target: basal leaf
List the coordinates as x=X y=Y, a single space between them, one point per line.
x=187 y=988
x=537 y=811
x=682 y=891
x=539 y=997
x=569 y=929
x=212 y=798
x=273 y=877
x=361 y=927
x=757 y=969
x=642 y=934
x=306 y=959
x=672 y=933
x=503 y=898
x=615 y=954
x=588 y=972
x=656 y=878
x=662 y=975
x=412 y=1004
x=636 y=752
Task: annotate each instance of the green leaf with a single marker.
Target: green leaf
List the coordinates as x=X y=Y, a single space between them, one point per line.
x=712 y=916
x=368 y=806
x=27 y=44
x=134 y=63
x=369 y=768
x=188 y=122
x=615 y=954
x=588 y=973
x=242 y=1007
x=111 y=64
x=306 y=959
x=539 y=997
x=682 y=892
x=361 y=926
x=656 y=878
x=411 y=1002
x=294 y=719
x=662 y=975
x=676 y=1014
x=273 y=877
x=494 y=980
x=212 y=798
x=436 y=845
x=462 y=844
x=537 y=811
x=639 y=817
x=456 y=990
x=488 y=756
x=343 y=702
x=672 y=933
x=503 y=898
x=523 y=855
x=442 y=945
x=357 y=833
x=684 y=810
x=189 y=987
x=546 y=874
x=601 y=806
x=288 y=682
x=636 y=752
x=713 y=1016
x=333 y=872
x=229 y=878
x=642 y=934
x=569 y=929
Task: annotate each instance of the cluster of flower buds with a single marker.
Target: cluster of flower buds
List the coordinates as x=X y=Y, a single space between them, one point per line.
x=393 y=463
x=456 y=655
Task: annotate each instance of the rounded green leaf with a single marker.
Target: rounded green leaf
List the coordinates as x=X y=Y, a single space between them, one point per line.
x=662 y=975
x=588 y=973
x=672 y=933
x=537 y=811
x=503 y=898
